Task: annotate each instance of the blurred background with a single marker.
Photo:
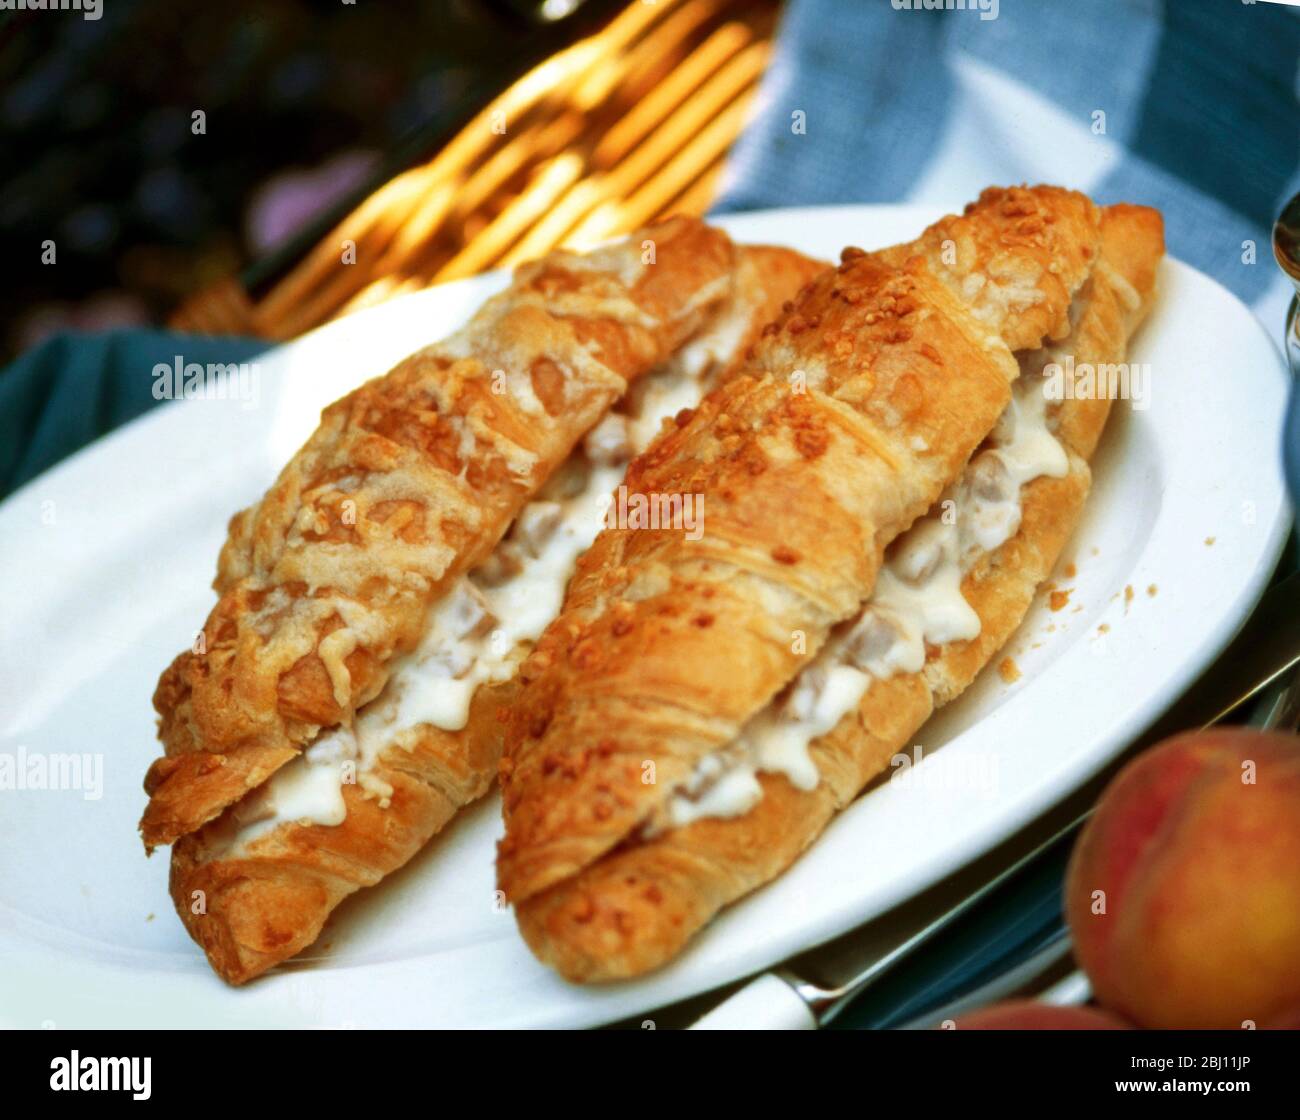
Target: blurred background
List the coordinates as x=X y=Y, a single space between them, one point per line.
x=306 y=108
x=211 y=167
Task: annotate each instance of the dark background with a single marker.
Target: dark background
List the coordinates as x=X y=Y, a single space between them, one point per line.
x=308 y=106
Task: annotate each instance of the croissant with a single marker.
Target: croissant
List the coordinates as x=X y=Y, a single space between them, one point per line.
x=367 y=795
x=408 y=483
x=628 y=829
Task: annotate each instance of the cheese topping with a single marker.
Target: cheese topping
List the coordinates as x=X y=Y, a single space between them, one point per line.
x=482 y=628
x=917 y=602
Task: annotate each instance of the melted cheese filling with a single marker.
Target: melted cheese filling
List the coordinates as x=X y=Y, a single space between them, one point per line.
x=917 y=602
x=479 y=632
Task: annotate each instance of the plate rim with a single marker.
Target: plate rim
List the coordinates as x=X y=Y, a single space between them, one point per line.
x=743 y=225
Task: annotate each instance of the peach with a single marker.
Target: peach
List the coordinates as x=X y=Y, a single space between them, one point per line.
x=1026 y=1015
x=1287 y=1021
x=1183 y=893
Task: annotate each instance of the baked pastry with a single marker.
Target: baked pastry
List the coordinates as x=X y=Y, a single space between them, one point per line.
x=407 y=484
x=643 y=790
x=367 y=794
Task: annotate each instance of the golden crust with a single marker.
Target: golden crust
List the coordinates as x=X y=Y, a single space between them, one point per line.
x=408 y=482
x=272 y=900
x=859 y=406
x=1134 y=245
x=1015 y=256
x=634 y=909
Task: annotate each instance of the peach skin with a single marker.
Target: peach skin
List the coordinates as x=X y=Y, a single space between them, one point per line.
x=1183 y=893
x=1030 y=1015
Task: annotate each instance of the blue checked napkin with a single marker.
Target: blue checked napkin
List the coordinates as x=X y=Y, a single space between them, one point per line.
x=1189 y=106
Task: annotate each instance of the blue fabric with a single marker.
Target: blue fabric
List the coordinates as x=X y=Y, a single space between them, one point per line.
x=60 y=395
x=864 y=102
x=1199 y=98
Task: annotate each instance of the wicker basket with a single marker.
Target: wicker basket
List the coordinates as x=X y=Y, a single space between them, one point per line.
x=619 y=128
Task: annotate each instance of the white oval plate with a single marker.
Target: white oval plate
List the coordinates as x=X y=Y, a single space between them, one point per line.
x=107 y=560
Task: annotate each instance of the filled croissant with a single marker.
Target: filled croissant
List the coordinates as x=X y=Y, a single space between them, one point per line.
x=886 y=483
x=397 y=697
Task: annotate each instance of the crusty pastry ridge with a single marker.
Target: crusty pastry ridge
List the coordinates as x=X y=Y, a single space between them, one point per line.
x=267 y=891
x=408 y=482
x=858 y=408
x=880 y=393
x=636 y=907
